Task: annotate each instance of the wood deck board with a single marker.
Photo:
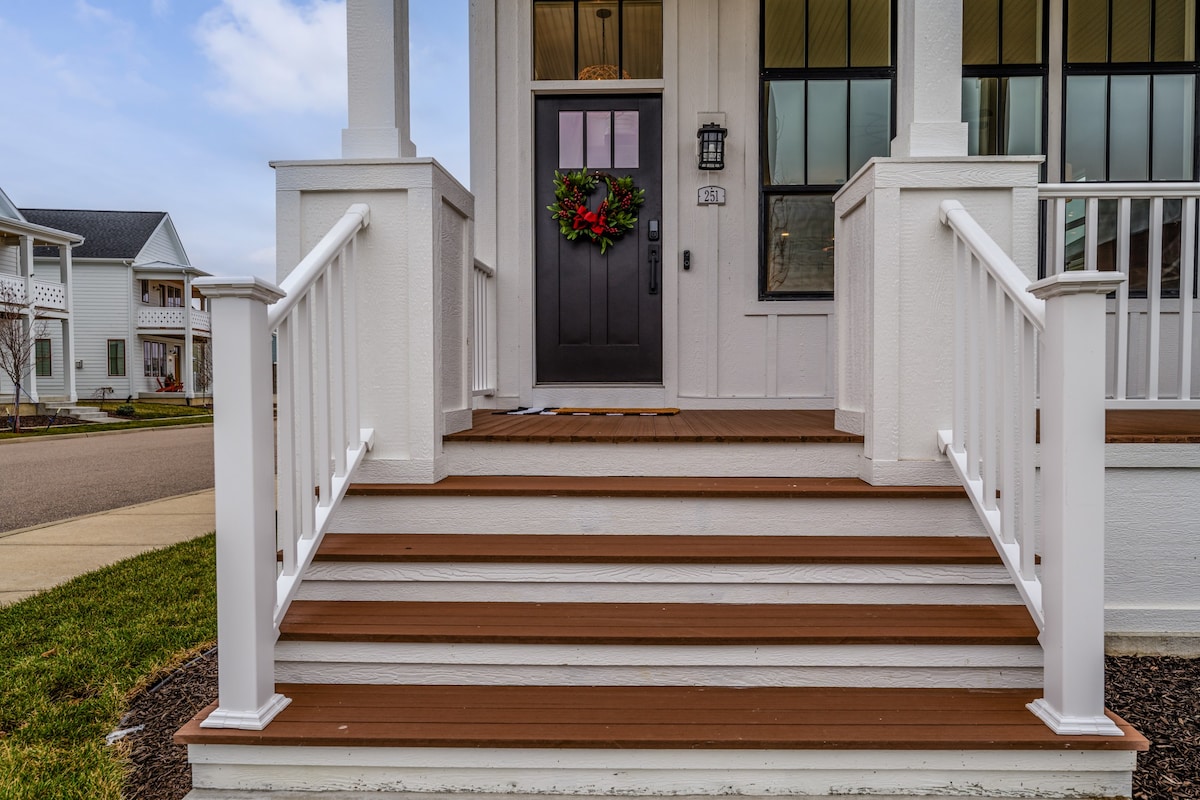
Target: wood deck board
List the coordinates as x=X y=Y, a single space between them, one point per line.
x=656 y=623
x=1166 y=426
x=686 y=426
x=563 y=486
x=657 y=549
x=636 y=717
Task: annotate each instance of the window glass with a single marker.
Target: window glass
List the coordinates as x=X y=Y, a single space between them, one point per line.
x=785 y=124
x=826 y=33
x=597 y=39
x=41 y=358
x=116 y=357
x=1085 y=132
x=827 y=106
x=599 y=42
x=783 y=33
x=981 y=25
x=570 y=140
x=1131 y=30
x=1087 y=31
x=870 y=120
x=1129 y=128
x=554 y=40
x=599 y=139
x=870 y=33
x=1174 y=127
x=1174 y=38
x=641 y=38
x=799 y=244
x=625 y=140
x=1022 y=32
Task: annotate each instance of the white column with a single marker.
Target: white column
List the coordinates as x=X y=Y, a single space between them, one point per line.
x=29 y=384
x=378 y=69
x=68 y=333
x=929 y=79
x=243 y=442
x=1072 y=448
x=187 y=373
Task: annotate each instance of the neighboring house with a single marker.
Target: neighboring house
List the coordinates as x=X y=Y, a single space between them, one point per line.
x=140 y=327
x=47 y=281
x=850 y=270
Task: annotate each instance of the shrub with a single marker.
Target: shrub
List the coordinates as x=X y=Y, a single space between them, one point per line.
x=126 y=410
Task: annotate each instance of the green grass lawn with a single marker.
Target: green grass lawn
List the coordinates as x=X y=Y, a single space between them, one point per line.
x=115 y=425
x=70 y=656
x=147 y=410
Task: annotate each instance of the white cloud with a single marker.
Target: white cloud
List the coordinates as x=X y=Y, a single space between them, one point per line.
x=160 y=8
x=274 y=55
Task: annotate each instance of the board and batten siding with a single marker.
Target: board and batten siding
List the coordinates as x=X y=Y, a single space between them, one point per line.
x=103 y=311
x=722 y=347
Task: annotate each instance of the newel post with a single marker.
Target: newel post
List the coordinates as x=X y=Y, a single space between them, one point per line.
x=1072 y=448
x=243 y=442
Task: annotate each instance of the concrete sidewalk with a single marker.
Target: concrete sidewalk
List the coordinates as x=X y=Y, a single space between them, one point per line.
x=37 y=558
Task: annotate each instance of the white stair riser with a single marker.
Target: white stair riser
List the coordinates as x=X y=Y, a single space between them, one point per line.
x=733 y=460
x=1014 y=666
x=658 y=515
x=645 y=774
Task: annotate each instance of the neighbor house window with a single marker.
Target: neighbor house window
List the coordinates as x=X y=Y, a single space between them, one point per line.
x=174 y=297
x=1004 y=77
x=41 y=358
x=154 y=356
x=116 y=357
x=597 y=40
x=827 y=86
x=146 y=292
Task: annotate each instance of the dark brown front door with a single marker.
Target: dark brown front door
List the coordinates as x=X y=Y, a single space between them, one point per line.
x=599 y=317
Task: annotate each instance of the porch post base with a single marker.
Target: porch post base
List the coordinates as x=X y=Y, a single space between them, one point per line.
x=1065 y=725
x=247 y=720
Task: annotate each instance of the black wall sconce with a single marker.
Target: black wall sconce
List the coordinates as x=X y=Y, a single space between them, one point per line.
x=712 y=146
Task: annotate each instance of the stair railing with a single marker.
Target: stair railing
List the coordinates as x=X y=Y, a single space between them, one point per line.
x=483 y=321
x=1148 y=232
x=1001 y=319
x=263 y=547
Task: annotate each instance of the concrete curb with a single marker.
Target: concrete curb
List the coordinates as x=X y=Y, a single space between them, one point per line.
x=85 y=435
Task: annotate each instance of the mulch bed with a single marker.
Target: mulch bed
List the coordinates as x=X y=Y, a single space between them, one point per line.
x=1160 y=696
x=31 y=422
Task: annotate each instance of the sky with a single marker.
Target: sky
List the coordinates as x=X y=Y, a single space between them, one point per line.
x=179 y=105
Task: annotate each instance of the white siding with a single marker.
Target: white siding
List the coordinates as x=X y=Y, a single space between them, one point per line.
x=103 y=300
x=8 y=259
x=163 y=246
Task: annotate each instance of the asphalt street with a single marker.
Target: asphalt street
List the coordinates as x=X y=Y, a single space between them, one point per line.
x=52 y=478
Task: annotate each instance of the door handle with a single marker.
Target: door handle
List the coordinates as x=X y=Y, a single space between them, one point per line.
x=654 y=262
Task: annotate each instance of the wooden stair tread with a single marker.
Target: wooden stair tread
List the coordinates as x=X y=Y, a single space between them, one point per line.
x=656 y=549
x=726 y=426
x=656 y=623
x=564 y=486
x=845 y=718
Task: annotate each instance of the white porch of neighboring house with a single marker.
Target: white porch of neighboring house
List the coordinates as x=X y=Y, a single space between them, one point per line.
x=47 y=299
x=867 y=557
x=172 y=313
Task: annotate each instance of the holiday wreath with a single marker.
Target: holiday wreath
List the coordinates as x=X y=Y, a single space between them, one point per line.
x=610 y=221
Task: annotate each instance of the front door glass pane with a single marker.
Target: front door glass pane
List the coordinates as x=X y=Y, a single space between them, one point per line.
x=570 y=140
x=870 y=38
x=870 y=120
x=785 y=124
x=1174 y=127
x=1085 y=135
x=1129 y=148
x=799 y=243
x=826 y=33
x=625 y=139
x=599 y=139
x=1131 y=30
x=1087 y=31
x=827 y=132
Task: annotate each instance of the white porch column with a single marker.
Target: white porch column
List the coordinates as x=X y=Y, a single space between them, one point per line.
x=68 y=327
x=25 y=270
x=188 y=377
x=243 y=442
x=377 y=51
x=929 y=79
x=1072 y=447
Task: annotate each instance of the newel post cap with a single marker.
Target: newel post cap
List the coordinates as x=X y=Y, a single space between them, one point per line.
x=1076 y=282
x=251 y=287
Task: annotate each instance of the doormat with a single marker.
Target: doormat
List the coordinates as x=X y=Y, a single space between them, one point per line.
x=595 y=412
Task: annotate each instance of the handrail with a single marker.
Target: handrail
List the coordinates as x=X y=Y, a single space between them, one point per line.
x=312 y=266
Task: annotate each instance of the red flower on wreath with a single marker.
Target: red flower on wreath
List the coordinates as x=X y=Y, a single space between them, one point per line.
x=614 y=217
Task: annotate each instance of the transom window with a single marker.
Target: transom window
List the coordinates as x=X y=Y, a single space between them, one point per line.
x=827 y=87
x=590 y=40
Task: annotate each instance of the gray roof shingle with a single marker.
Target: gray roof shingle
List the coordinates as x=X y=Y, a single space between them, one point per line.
x=107 y=234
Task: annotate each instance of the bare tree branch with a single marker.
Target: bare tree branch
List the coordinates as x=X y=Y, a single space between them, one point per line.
x=21 y=325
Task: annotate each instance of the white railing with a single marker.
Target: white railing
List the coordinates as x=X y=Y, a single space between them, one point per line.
x=319 y=444
x=1001 y=318
x=483 y=341
x=46 y=294
x=163 y=318
x=1146 y=231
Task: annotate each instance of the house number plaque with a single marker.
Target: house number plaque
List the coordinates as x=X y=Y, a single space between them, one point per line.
x=710 y=196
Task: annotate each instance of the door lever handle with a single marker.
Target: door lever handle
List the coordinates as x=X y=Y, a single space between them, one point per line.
x=654 y=262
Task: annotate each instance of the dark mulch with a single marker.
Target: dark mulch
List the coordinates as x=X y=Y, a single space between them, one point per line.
x=1160 y=696
x=29 y=422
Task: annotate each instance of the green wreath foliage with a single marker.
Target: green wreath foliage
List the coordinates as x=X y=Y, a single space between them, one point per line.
x=616 y=215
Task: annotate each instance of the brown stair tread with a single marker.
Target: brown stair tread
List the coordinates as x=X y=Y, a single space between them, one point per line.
x=656 y=549
x=656 y=623
x=555 y=485
x=846 y=718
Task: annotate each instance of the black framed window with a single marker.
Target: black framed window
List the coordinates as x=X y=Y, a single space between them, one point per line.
x=116 y=357
x=827 y=106
x=42 y=358
x=1004 y=77
x=597 y=39
x=154 y=357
